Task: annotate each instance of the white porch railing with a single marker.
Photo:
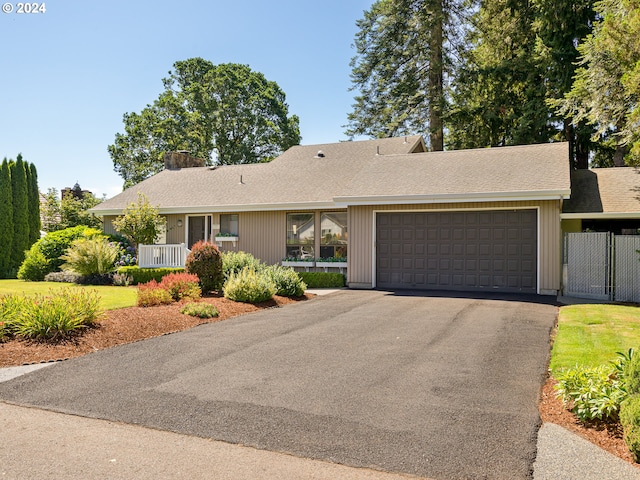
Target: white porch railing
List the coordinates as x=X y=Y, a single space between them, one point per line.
x=162 y=256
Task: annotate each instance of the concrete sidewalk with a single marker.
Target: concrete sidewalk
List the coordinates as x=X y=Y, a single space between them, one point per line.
x=73 y=447
x=46 y=445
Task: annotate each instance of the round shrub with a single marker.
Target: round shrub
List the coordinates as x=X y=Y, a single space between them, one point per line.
x=287 y=281
x=234 y=262
x=249 y=286
x=200 y=310
x=34 y=267
x=151 y=294
x=205 y=262
x=181 y=286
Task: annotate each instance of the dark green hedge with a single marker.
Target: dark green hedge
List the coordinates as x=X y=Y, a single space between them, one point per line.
x=322 y=279
x=144 y=275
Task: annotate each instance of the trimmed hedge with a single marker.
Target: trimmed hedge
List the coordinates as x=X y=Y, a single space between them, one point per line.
x=144 y=275
x=322 y=279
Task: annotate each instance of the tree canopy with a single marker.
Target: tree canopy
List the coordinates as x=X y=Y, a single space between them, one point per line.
x=606 y=87
x=502 y=72
x=226 y=114
x=404 y=48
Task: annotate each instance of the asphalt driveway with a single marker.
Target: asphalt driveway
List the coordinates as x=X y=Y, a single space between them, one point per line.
x=435 y=386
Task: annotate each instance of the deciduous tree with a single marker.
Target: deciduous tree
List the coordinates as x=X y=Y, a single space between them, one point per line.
x=226 y=114
x=141 y=222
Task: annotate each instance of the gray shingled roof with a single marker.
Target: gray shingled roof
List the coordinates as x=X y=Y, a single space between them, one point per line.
x=604 y=192
x=383 y=170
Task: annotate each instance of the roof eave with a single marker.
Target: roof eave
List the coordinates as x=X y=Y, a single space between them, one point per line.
x=205 y=209
x=600 y=215
x=347 y=201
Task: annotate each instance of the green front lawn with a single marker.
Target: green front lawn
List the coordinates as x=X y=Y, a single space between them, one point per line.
x=110 y=297
x=591 y=334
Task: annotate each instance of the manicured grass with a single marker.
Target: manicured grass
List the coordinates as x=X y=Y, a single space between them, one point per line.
x=590 y=335
x=110 y=297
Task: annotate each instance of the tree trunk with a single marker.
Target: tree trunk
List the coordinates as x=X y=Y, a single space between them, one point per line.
x=435 y=90
x=618 y=157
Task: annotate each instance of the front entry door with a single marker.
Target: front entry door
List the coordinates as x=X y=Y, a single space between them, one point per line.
x=199 y=229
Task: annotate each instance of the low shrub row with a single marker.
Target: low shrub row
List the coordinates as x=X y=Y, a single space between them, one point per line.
x=143 y=275
x=322 y=279
x=46 y=317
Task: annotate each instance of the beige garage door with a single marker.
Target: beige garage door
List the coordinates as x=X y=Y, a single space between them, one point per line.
x=471 y=250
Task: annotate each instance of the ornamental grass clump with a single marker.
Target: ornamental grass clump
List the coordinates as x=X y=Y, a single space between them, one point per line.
x=91 y=256
x=58 y=314
x=249 y=286
x=11 y=307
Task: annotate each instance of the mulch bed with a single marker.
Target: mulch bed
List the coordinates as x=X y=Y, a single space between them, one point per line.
x=126 y=325
x=606 y=436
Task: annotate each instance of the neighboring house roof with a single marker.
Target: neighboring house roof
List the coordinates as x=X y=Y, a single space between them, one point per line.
x=393 y=170
x=604 y=193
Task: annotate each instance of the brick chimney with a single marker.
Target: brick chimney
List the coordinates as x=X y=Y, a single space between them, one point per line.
x=181 y=159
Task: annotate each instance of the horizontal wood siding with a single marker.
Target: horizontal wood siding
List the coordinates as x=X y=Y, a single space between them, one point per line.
x=360 y=273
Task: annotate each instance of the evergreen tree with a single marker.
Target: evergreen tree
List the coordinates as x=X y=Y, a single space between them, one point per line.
x=606 y=88
x=404 y=49
x=6 y=220
x=499 y=96
x=34 y=203
x=20 y=212
x=560 y=26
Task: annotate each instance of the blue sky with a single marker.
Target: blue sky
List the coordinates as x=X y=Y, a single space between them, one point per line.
x=68 y=75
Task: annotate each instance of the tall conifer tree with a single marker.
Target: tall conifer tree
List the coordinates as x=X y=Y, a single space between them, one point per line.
x=34 y=203
x=6 y=220
x=20 y=212
x=404 y=52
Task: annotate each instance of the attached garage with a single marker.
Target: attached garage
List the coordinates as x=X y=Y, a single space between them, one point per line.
x=493 y=250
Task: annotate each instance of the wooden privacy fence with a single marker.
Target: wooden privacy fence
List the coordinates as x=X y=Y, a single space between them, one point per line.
x=162 y=256
x=602 y=266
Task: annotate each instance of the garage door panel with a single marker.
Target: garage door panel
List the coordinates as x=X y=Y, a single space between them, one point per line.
x=457 y=250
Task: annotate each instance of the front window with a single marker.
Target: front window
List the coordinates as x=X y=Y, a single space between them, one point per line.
x=300 y=235
x=333 y=239
x=229 y=224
